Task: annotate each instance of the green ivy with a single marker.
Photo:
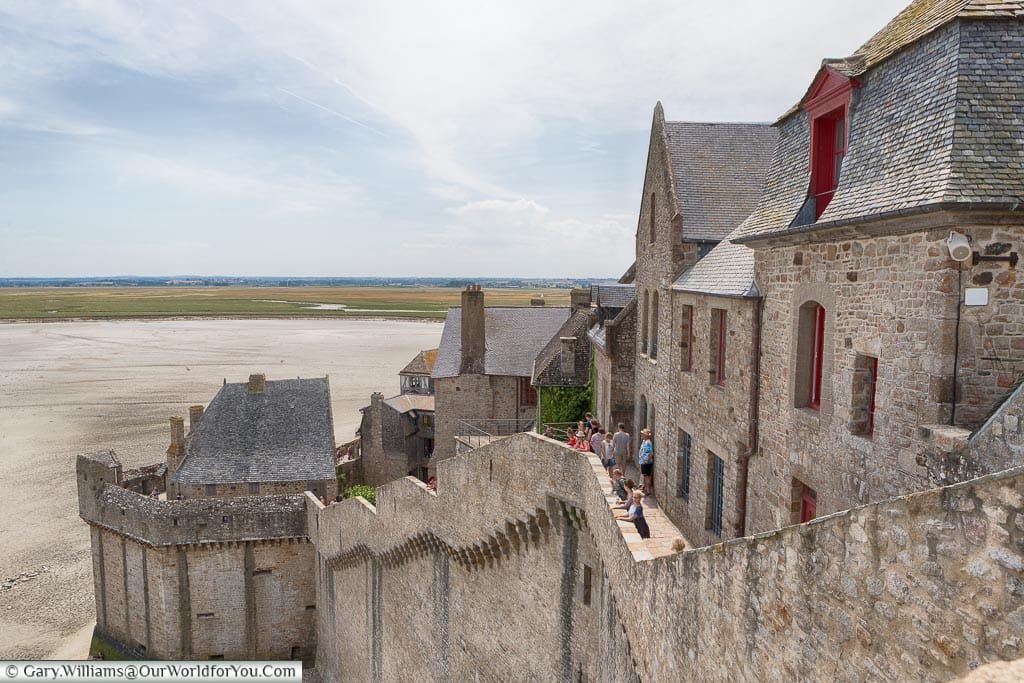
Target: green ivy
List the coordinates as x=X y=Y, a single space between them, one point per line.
x=566 y=404
x=367 y=492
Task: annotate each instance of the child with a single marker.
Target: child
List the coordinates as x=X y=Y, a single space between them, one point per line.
x=609 y=454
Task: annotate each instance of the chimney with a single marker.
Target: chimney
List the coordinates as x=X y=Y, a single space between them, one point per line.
x=473 y=343
x=537 y=300
x=568 y=356
x=257 y=383
x=177 y=446
x=376 y=398
x=579 y=298
x=195 y=414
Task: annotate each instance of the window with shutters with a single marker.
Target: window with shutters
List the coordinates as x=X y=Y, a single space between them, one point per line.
x=715 y=494
x=718 y=339
x=810 y=355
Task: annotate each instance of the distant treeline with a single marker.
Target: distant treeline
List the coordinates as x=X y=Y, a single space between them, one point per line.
x=222 y=281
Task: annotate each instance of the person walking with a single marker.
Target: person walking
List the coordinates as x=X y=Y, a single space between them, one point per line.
x=620 y=439
x=645 y=458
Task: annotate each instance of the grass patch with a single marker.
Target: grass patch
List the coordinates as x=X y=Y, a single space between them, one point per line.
x=56 y=303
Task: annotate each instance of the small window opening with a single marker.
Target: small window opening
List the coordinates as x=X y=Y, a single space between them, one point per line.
x=810 y=355
x=686 y=339
x=718 y=330
x=683 y=464
x=654 y=326
x=715 y=494
x=588 y=584
x=862 y=408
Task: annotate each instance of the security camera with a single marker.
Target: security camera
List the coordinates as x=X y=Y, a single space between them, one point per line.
x=959 y=246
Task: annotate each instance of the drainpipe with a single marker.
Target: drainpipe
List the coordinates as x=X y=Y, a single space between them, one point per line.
x=752 y=431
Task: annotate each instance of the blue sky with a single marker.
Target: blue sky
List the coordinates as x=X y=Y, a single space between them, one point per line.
x=358 y=139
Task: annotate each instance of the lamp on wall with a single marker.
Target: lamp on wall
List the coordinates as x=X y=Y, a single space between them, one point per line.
x=959 y=246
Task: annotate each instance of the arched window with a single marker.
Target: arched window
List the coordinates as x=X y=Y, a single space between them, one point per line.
x=643 y=412
x=654 y=325
x=643 y=331
x=810 y=350
x=650 y=214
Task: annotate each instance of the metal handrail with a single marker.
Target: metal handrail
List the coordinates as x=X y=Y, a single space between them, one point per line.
x=475 y=433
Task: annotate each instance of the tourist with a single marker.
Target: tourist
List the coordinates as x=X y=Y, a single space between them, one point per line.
x=597 y=442
x=589 y=419
x=609 y=453
x=621 y=441
x=628 y=485
x=678 y=545
x=570 y=438
x=432 y=484
x=581 y=442
x=636 y=515
x=645 y=458
x=619 y=485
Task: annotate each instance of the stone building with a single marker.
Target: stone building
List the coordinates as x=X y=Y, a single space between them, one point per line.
x=256 y=437
x=564 y=362
x=836 y=344
x=397 y=434
x=871 y=332
x=702 y=180
x=613 y=339
x=484 y=369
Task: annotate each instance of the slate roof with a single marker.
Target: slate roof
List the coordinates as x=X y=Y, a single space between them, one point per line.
x=547 y=370
x=919 y=19
x=718 y=170
x=513 y=338
x=727 y=270
x=613 y=296
x=284 y=433
x=404 y=403
x=422 y=364
x=935 y=124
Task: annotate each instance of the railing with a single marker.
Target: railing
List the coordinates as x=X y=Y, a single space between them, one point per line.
x=476 y=433
x=556 y=430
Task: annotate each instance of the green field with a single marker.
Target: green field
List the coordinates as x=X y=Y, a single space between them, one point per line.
x=56 y=303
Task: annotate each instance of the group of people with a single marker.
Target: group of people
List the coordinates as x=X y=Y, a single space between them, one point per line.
x=614 y=449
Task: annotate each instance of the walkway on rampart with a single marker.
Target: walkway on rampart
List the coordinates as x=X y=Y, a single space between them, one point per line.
x=663 y=531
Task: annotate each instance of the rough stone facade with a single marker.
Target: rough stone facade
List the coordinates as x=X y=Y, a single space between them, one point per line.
x=922 y=587
x=475 y=397
x=614 y=370
x=718 y=418
x=198 y=579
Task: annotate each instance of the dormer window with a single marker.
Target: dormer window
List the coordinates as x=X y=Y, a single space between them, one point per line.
x=827 y=157
x=828 y=111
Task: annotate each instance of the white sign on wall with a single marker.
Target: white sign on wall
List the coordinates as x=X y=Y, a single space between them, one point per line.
x=976 y=296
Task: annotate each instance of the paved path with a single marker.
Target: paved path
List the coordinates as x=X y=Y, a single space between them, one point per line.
x=663 y=531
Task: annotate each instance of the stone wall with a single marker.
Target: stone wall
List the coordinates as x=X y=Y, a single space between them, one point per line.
x=326 y=488
x=717 y=418
x=473 y=397
x=478 y=578
x=614 y=371
x=196 y=579
x=379 y=464
x=894 y=298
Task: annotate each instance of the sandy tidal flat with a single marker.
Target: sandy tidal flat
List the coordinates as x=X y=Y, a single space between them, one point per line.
x=73 y=387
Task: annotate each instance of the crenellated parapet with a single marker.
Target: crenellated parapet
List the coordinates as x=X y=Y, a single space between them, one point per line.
x=104 y=502
x=870 y=590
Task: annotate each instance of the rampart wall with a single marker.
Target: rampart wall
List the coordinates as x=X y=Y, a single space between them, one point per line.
x=197 y=579
x=487 y=577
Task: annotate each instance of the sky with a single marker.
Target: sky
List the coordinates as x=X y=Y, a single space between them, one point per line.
x=338 y=138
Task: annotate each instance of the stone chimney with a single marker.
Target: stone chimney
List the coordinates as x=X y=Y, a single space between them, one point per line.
x=177 y=446
x=376 y=398
x=257 y=383
x=473 y=343
x=579 y=298
x=568 y=356
x=195 y=414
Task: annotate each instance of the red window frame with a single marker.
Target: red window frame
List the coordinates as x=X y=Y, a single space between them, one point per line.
x=817 y=358
x=828 y=107
x=808 y=505
x=688 y=334
x=720 y=351
x=827 y=158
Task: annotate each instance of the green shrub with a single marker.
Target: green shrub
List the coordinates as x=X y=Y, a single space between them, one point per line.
x=367 y=492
